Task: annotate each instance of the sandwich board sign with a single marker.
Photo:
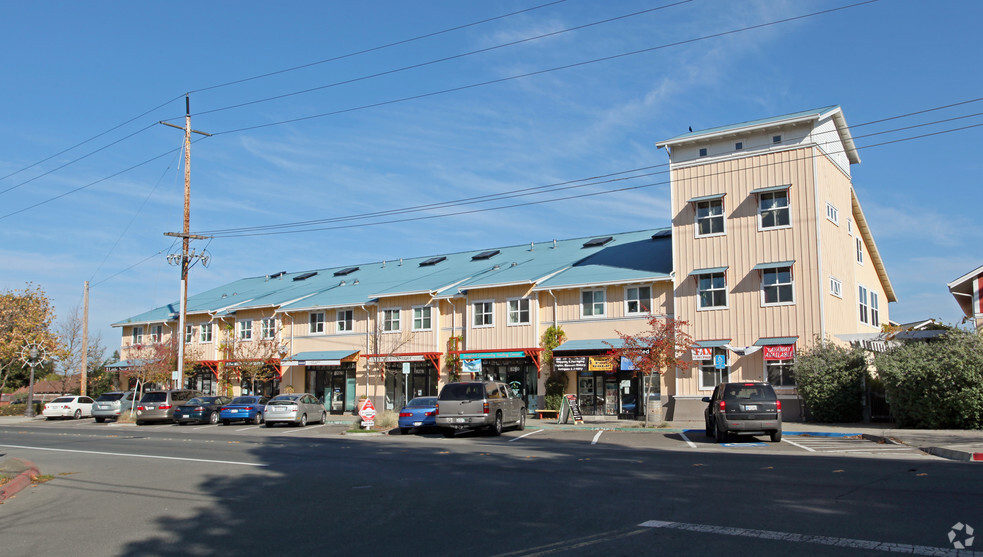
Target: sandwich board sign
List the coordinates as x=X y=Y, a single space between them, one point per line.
x=568 y=408
x=367 y=413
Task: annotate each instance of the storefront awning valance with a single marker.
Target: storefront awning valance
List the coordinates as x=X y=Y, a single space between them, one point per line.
x=706 y=198
x=319 y=358
x=588 y=345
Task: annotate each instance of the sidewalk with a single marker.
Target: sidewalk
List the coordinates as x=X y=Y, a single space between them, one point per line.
x=953 y=444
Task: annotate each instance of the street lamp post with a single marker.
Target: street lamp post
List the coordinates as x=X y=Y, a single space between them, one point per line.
x=32 y=355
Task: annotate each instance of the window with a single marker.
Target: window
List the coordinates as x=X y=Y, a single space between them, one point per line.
x=849 y=227
x=246 y=329
x=421 y=318
x=710 y=376
x=874 y=317
x=860 y=250
x=710 y=217
x=703 y=151
x=189 y=333
x=346 y=320
x=267 y=328
x=712 y=290
x=833 y=214
x=137 y=335
x=776 y=286
x=592 y=303
x=316 y=323
x=835 y=287
x=638 y=299
x=776 y=139
x=157 y=333
x=519 y=311
x=483 y=315
x=862 y=298
x=390 y=320
x=739 y=145
x=773 y=209
x=780 y=373
x=206 y=332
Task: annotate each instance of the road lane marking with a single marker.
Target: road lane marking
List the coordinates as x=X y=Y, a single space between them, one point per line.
x=526 y=435
x=805 y=538
x=691 y=444
x=596 y=437
x=100 y=453
x=810 y=449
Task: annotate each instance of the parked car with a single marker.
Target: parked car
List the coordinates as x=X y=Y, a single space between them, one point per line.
x=68 y=407
x=158 y=406
x=200 y=410
x=420 y=412
x=294 y=408
x=489 y=405
x=747 y=408
x=246 y=408
x=112 y=405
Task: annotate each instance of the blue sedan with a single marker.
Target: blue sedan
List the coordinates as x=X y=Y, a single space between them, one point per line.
x=420 y=412
x=245 y=408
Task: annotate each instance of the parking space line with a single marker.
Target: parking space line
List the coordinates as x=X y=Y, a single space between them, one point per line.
x=248 y=428
x=810 y=449
x=526 y=435
x=134 y=455
x=691 y=444
x=306 y=428
x=596 y=437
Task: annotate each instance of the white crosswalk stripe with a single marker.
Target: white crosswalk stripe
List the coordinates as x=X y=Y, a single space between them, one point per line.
x=850 y=445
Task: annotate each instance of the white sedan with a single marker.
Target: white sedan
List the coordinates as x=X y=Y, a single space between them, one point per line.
x=68 y=407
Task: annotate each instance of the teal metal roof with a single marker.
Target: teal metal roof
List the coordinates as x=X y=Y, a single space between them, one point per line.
x=628 y=257
x=763 y=122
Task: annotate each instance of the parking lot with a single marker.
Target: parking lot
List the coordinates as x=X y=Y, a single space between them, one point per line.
x=536 y=434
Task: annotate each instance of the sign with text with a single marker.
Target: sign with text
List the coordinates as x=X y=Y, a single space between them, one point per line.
x=367 y=413
x=571 y=363
x=600 y=364
x=570 y=407
x=779 y=352
x=702 y=353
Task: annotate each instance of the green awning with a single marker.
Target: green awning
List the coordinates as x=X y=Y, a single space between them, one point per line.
x=771 y=189
x=319 y=358
x=775 y=341
x=775 y=265
x=711 y=343
x=707 y=271
x=706 y=198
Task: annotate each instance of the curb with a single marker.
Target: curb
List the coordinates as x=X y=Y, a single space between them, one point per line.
x=19 y=482
x=953 y=454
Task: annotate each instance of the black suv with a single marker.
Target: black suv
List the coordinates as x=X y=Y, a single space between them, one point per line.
x=743 y=409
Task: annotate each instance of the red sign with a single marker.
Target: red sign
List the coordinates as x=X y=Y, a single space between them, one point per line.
x=702 y=353
x=779 y=352
x=367 y=412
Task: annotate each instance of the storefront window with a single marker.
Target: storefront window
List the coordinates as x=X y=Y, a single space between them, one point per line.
x=710 y=375
x=780 y=373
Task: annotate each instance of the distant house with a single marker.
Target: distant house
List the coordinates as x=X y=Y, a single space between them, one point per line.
x=966 y=290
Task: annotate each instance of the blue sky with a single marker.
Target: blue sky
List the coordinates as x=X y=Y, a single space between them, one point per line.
x=432 y=134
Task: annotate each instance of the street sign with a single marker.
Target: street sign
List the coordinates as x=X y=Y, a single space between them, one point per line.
x=720 y=362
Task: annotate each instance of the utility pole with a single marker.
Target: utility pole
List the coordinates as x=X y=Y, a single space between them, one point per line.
x=85 y=338
x=186 y=236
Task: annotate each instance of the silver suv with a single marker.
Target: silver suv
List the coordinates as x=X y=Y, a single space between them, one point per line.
x=747 y=408
x=112 y=405
x=487 y=405
x=158 y=406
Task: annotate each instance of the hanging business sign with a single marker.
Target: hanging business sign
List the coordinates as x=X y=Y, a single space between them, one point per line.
x=571 y=363
x=604 y=363
x=779 y=352
x=627 y=365
x=702 y=353
x=471 y=366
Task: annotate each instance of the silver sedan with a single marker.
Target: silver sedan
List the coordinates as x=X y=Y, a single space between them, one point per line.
x=294 y=408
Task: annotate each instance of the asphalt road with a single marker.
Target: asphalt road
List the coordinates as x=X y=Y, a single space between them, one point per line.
x=206 y=490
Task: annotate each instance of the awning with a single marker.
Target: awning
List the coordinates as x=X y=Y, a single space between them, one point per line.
x=774 y=341
x=707 y=271
x=771 y=189
x=126 y=364
x=777 y=348
x=706 y=198
x=589 y=345
x=711 y=343
x=319 y=358
x=775 y=265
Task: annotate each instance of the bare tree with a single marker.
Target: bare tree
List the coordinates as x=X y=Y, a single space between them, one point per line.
x=69 y=331
x=250 y=361
x=384 y=346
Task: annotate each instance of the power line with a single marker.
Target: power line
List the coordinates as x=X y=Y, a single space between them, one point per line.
x=440 y=60
x=141 y=262
x=545 y=71
x=377 y=48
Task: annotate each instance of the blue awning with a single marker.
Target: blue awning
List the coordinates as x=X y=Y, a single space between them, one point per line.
x=711 y=343
x=707 y=271
x=319 y=358
x=124 y=364
x=588 y=345
x=706 y=198
x=771 y=189
x=776 y=341
x=775 y=265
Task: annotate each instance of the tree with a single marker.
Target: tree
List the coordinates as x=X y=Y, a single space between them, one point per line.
x=652 y=352
x=831 y=379
x=385 y=345
x=556 y=382
x=69 y=332
x=250 y=361
x=26 y=317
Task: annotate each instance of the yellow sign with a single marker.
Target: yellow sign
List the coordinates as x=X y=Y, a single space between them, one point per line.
x=600 y=364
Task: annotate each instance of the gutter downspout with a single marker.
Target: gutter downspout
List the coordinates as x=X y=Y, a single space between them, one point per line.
x=819 y=250
x=554 y=306
x=367 y=319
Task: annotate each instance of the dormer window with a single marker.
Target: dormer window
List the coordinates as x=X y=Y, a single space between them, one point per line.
x=776 y=139
x=703 y=151
x=739 y=145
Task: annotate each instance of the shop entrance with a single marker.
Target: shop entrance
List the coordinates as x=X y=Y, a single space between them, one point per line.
x=608 y=394
x=421 y=381
x=334 y=385
x=519 y=374
x=201 y=380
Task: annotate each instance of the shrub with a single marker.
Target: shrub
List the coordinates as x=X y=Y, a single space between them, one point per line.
x=830 y=379
x=936 y=384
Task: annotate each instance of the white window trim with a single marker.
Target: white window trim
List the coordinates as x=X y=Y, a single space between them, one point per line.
x=189 y=333
x=337 y=321
x=604 y=311
x=832 y=213
x=699 y=303
x=860 y=250
x=640 y=301
x=508 y=312
x=836 y=287
x=863 y=304
x=726 y=377
x=787 y=208
x=157 y=333
x=323 y=320
x=267 y=333
x=875 y=309
x=399 y=320
x=211 y=333
x=240 y=330
x=136 y=335
x=792 y=282
x=413 y=319
x=696 y=219
x=474 y=314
